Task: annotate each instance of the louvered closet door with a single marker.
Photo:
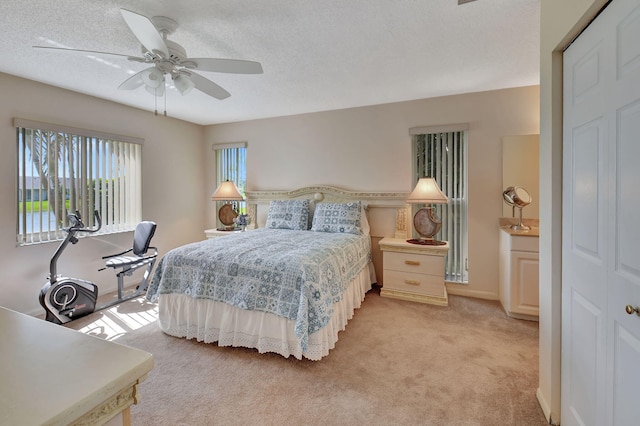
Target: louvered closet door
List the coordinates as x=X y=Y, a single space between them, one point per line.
x=601 y=230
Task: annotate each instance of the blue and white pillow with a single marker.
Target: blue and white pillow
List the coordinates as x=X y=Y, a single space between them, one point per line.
x=288 y=214
x=338 y=217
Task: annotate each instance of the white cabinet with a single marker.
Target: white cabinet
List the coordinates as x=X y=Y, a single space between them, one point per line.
x=519 y=273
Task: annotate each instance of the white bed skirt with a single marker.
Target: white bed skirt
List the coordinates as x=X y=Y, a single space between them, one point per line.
x=211 y=321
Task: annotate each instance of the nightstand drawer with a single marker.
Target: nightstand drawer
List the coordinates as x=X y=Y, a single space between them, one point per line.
x=413 y=263
x=414 y=283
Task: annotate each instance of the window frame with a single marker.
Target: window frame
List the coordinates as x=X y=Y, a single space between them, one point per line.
x=93 y=170
x=456 y=261
x=225 y=156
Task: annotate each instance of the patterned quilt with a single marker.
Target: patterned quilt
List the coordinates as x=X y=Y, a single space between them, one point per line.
x=298 y=275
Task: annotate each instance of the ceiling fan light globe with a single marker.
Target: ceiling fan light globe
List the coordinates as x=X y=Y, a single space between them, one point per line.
x=153 y=79
x=183 y=84
x=155 y=91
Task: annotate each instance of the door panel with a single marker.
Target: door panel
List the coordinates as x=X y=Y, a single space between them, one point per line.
x=627 y=190
x=527 y=269
x=585 y=238
x=586 y=327
x=626 y=376
x=586 y=174
x=601 y=231
x=624 y=278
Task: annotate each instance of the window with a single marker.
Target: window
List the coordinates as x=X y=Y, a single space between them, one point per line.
x=441 y=153
x=62 y=169
x=231 y=165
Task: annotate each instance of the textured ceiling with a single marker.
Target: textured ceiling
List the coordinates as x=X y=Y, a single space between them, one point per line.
x=316 y=55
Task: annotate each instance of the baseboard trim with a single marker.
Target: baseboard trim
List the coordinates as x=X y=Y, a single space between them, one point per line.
x=478 y=294
x=546 y=410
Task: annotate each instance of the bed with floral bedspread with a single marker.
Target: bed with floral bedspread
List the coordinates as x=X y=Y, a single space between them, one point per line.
x=298 y=276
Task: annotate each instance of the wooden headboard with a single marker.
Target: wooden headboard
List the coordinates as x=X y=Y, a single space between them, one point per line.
x=387 y=212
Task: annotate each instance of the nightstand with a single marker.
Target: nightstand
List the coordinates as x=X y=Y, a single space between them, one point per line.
x=413 y=272
x=214 y=233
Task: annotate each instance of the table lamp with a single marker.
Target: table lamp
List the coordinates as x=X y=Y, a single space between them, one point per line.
x=425 y=221
x=227 y=191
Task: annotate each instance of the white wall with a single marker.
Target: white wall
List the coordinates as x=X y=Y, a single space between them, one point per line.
x=560 y=21
x=369 y=149
x=366 y=148
x=521 y=167
x=172 y=184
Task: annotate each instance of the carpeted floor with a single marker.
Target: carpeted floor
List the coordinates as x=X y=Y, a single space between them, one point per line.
x=397 y=363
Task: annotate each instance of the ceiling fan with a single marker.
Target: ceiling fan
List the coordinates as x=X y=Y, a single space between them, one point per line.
x=169 y=58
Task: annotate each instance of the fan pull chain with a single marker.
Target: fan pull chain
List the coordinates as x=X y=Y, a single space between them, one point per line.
x=165 y=101
x=155 y=101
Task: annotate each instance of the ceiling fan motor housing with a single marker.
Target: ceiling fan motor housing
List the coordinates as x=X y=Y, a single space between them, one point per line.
x=164 y=25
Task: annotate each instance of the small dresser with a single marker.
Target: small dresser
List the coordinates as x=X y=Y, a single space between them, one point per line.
x=413 y=272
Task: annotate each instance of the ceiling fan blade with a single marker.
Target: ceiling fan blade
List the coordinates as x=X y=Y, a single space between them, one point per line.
x=234 y=66
x=63 y=49
x=208 y=86
x=145 y=32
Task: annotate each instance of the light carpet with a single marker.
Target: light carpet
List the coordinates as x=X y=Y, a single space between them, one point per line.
x=397 y=363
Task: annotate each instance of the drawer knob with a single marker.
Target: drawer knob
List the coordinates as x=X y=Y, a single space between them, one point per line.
x=412 y=262
x=412 y=282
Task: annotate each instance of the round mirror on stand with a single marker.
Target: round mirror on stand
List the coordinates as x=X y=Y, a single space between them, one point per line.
x=517 y=196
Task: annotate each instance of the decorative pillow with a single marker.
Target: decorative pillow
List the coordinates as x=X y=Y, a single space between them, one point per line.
x=337 y=217
x=288 y=214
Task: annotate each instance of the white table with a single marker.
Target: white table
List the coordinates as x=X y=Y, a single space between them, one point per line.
x=52 y=375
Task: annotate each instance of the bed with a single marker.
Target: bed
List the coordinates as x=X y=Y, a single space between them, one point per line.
x=288 y=287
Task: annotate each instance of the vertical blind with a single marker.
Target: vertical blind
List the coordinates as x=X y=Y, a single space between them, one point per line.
x=231 y=165
x=61 y=171
x=441 y=153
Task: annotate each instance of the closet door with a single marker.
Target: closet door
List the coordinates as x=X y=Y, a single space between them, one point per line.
x=601 y=233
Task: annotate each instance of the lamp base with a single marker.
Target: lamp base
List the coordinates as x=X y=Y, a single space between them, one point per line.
x=426 y=223
x=226 y=216
x=426 y=242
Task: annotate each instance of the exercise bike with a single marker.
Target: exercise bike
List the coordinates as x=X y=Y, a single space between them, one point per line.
x=66 y=299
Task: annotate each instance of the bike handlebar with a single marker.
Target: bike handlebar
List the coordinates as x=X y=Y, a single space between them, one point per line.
x=78 y=226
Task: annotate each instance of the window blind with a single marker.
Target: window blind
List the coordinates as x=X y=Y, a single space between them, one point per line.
x=60 y=172
x=442 y=154
x=231 y=165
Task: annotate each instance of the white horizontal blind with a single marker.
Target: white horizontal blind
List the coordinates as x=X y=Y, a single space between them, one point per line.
x=443 y=156
x=231 y=165
x=61 y=172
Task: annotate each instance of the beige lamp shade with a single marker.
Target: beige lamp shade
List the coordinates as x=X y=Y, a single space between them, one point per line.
x=227 y=191
x=427 y=191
